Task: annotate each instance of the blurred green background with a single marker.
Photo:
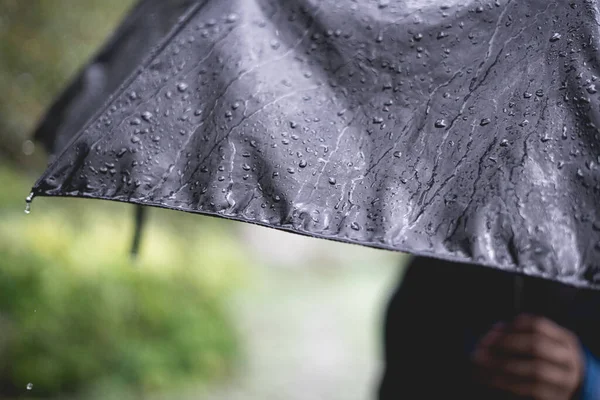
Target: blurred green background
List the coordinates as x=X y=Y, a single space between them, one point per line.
x=210 y=308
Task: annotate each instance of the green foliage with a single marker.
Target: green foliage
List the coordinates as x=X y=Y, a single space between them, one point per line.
x=77 y=315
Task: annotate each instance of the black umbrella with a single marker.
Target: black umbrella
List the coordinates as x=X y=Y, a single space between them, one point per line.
x=145 y=26
x=464 y=131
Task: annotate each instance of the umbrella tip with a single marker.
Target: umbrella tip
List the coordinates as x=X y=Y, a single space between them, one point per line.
x=28 y=201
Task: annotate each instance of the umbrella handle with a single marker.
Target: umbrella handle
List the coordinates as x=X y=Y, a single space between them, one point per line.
x=519 y=283
x=140 y=217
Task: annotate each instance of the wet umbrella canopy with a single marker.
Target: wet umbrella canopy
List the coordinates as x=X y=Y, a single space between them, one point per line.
x=464 y=130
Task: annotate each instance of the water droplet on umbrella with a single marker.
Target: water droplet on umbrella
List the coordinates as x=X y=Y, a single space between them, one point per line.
x=442 y=35
x=133 y=96
x=355 y=226
x=135 y=139
x=384 y=3
x=135 y=121
x=504 y=142
x=555 y=37
x=397 y=154
x=291 y=170
x=591 y=89
x=440 y=123
x=479 y=9
x=231 y=18
x=539 y=93
x=527 y=95
x=293 y=124
x=377 y=120
x=245 y=167
x=29 y=386
x=484 y=121
x=182 y=86
x=418 y=36
x=147 y=115
x=302 y=164
x=332 y=181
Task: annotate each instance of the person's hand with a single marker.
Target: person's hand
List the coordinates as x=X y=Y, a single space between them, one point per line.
x=532 y=357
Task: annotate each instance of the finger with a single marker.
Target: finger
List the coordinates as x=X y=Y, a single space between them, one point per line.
x=533 y=346
x=534 y=324
x=530 y=390
x=526 y=370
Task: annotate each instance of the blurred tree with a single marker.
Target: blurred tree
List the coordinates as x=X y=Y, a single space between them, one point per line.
x=43 y=43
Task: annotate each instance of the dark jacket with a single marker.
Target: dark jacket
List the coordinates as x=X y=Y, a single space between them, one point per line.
x=440 y=308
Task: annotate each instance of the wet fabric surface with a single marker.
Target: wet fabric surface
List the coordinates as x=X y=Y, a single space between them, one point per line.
x=463 y=130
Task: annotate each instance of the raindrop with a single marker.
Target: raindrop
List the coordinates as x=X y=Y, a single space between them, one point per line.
x=564 y=132
x=504 y=143
x=442 y=35
x=539 y=93
x=418 y=36
x=355 y=226
x=527 y=95
x=302 y=164
x=182 y=86
x=291 y=170
x=245 y=167
x=235 y=105
x=28 y=147
x=133 y=96
x=332 y=181
x=293 y=124
x=135 y=139
x=28 y=201
x=135 y=121
x=231 y=18
x=440 y=123
x=147 y=115
x=484 y=122
x=384 y=3
x=377 y=120
x=479 y=9
x=397 y=154
x=29 y=386
x=555 y=37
